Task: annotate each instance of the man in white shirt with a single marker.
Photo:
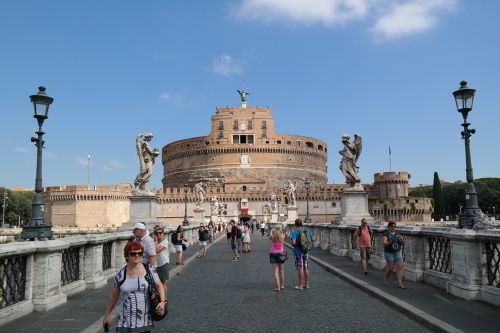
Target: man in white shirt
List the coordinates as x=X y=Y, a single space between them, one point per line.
x=142 y=236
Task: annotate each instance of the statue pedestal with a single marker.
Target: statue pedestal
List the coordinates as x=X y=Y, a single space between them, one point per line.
x=142 y=209
x=215 y=218
x=354 y=203
x=198 y=215
x=274 y=217
x=292 y=214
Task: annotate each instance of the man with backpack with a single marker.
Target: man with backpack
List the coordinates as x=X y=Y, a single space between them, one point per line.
x=364 y=235
x=301 y=240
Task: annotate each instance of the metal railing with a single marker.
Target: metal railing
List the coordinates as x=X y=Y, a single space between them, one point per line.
x=70 y=268
x=493 y=263
x=12 y=280
x=440 y=254
x=106 y=255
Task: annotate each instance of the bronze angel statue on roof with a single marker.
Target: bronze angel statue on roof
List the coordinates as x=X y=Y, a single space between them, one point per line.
x=350 y=155
x=243 y=95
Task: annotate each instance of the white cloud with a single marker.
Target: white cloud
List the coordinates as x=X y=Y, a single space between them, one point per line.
x=116 y=165
x=82 y=161
x=410 y=18
x=113 y=165
x=170 y=96
x=21 y=149
x=226 y=65
x=393 y=18
x=327 y=12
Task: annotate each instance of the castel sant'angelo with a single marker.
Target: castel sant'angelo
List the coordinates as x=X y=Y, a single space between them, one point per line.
x=241 y=162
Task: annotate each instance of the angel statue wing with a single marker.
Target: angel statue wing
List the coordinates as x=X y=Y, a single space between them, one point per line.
x=243 y=95
x=358 y=143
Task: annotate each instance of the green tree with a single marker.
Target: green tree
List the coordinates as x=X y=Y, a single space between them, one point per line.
x=18 y=206
x=488 y=193
x=438 y=197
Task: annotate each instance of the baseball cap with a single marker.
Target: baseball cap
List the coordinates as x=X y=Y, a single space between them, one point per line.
x=139 y=226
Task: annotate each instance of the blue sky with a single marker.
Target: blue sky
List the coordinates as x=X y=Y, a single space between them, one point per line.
x=382 y=68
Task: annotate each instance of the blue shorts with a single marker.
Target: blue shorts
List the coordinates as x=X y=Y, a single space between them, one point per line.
x=393 y=257
x=301 y=262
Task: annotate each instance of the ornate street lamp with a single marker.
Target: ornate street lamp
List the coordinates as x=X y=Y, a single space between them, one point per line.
x=36 y=227
x=464 y=98
x=186 y=188
x=306 y=184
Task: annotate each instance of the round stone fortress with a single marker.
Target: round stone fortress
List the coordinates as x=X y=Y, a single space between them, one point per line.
x=244 y=148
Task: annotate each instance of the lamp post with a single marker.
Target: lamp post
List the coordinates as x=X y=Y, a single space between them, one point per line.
x=185 y=222
x=306 y=184
x=5 y=197
x=36 y=227
x=494 y=214
x=464 y=98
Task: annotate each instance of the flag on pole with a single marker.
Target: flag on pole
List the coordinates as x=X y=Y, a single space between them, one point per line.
x=389 y=151
x=89 y=157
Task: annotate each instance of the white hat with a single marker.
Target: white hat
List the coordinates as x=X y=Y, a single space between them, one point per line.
x=140 y=226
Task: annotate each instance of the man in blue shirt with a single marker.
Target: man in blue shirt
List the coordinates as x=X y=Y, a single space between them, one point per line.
x=301 y=258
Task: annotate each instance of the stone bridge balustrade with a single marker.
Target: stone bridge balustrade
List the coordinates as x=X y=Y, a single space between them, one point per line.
x=40 y=275
x=464 y=262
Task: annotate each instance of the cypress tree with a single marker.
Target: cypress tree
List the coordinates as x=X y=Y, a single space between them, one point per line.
x=437 y=195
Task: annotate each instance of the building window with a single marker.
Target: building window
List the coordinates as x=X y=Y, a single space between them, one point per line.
x=310 y=144
x=221 y=135
x=278 y=142
x=243 y=138
x=221 y=125
x=264 y=124
x=250 y=125
x=334 y=204
x=264 y=133
x=235 y=125
x=244 y=188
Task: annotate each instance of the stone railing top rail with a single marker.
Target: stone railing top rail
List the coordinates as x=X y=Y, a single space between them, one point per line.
x=447 y=231
x=19 y=248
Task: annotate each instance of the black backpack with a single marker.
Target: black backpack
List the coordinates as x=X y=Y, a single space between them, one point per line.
x=173 y=237
x=238 y=233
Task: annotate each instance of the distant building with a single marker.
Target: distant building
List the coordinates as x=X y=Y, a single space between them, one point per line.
x=389 y=198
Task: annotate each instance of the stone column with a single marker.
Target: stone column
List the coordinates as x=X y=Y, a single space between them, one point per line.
x=292 y=214
x=142 y=209
x=274 y=217
x=325 y=237
x=340 y=240
x=415 y=253
x=466 y=262
x=92 y=272
x=46 y=293
x=354 y=204
x=199 y=215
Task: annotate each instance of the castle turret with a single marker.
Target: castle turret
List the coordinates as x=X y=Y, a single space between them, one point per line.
x=391 y=184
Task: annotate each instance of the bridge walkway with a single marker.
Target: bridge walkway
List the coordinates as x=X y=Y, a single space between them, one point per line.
x=216 y=294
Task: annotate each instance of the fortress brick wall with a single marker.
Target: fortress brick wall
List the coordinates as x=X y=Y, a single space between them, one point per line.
x=244 y=147
x=79 y=206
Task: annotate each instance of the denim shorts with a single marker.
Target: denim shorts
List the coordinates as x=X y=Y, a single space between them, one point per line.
x=393 y=257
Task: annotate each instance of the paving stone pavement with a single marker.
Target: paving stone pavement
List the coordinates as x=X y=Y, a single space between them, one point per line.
x=215 y=294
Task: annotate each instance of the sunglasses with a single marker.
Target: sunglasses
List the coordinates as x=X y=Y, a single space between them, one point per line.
x=392 y=226
x=158 y=232
x=135 y=254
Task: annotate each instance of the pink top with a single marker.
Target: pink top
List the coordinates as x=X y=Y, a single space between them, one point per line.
x=364 y=237
x=277 y=247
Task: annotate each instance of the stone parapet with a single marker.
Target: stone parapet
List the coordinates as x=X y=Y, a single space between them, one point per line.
x=463 y=262
x=42 y=274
